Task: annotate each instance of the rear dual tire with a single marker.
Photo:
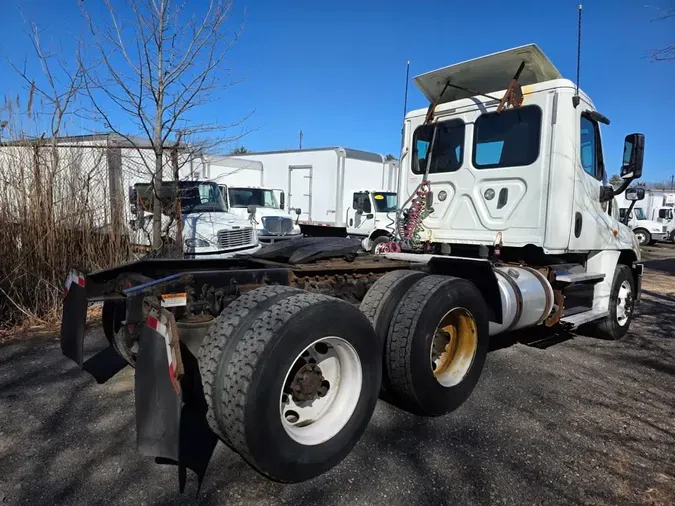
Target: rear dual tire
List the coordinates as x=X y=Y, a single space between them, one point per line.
x=426 y=369
x=251 y=376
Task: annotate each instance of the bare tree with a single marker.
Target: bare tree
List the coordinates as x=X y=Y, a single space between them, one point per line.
x=156 y=63
x=665 y=53
x=57 y=94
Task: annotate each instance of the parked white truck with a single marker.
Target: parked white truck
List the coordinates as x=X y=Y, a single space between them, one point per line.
x=210 y=229
x=506 y=225
x=647 y=230
x=242 y=185
x=334 y=191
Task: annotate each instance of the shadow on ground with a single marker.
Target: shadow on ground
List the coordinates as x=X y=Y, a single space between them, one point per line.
x=582 y=421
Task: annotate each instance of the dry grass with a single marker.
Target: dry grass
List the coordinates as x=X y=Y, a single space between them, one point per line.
x=54 y=215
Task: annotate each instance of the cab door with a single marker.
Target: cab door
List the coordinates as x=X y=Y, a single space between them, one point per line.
x=360 y=216
x=592 y=227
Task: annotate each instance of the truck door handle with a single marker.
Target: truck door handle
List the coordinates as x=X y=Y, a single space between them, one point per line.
x=503 y=198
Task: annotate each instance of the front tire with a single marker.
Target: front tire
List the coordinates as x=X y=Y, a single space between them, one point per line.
x=437 y=344
x=643 y=236
x=621 y=306
x=300 y=386
x=377 y=241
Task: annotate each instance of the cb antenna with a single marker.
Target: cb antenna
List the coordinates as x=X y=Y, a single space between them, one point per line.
x=405 y=102
x=575 y=98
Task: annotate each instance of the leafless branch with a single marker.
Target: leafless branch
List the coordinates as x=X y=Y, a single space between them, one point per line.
x=157 y=66
x=665 y=53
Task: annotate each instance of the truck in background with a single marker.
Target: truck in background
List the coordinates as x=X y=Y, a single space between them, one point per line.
x=644 y=219
x=242 y=186
x=332 y=191
x=659 y=207
x=209 y=229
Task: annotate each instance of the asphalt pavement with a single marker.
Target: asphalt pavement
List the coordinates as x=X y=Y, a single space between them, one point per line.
x=572 y=420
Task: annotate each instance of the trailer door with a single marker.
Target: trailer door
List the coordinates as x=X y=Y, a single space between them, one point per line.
x=300 y=191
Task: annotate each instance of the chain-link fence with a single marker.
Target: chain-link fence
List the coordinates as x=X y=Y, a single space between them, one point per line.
x=64 y=202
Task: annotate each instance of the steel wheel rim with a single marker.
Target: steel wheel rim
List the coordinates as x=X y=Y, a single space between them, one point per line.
x=641 y=237
x=624 y=304
x=315 y=421
x=454 y=347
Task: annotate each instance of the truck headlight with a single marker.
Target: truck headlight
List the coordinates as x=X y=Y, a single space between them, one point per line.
x=656 y=231
x=197 y=243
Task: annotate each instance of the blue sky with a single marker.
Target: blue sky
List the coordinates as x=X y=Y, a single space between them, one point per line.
x=336 y=70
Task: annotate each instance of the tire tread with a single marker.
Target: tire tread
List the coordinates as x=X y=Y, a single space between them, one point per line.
x=218 y=338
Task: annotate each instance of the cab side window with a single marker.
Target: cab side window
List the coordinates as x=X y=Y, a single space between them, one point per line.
x=362 y=202
x=590 y=148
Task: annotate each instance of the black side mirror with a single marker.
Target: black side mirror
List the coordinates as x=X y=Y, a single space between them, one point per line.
x=282 y=200
x=370 y=216
x=635 y=194
x=298 y=211
x=633 y=156
x=251 y=210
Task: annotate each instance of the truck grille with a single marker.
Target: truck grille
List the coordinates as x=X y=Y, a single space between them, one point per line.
x=665 y=228
x=235 y=238
x=277 y=225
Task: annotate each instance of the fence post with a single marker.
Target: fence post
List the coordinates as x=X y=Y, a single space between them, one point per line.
x=114 y=164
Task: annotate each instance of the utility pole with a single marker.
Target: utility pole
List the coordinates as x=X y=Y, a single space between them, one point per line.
x=672 y=182
x=300 y=139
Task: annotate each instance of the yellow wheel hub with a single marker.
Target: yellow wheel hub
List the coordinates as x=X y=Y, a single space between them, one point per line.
x=454 y=346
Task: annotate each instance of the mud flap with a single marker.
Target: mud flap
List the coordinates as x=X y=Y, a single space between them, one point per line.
x=74 y=318
x=158 y=395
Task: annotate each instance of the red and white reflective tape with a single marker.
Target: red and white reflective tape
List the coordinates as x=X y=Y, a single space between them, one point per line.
x=158 y=323
x=73 y=277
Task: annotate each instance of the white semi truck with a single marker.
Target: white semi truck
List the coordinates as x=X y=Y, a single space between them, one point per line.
x=506 y=224
x=333 y=191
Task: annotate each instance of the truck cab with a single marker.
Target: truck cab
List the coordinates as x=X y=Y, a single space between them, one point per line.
x=664 y=215
x=209 y=229
x=371 y=215
x=261 y=205
x=647 y=231
x=508 y=161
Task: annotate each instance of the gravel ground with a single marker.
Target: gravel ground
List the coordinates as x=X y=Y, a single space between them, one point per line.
x=581 y=421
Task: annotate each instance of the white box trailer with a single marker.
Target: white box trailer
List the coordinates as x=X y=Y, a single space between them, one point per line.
x=339 y=191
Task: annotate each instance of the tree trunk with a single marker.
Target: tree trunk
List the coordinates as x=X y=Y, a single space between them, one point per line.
x=156 y=203
x=179 y=214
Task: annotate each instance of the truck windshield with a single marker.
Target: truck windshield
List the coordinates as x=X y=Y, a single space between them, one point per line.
x=639 y=213
x=195 y=197
x=385 y=202
x=198 y=197
x=244 y=197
